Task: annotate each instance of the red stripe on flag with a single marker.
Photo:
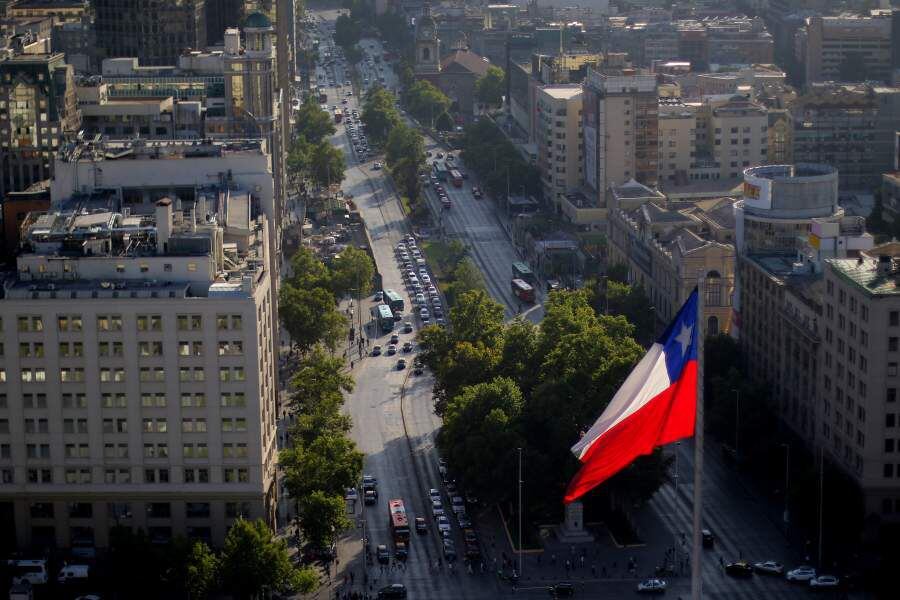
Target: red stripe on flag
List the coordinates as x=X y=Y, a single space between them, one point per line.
x=667 y=417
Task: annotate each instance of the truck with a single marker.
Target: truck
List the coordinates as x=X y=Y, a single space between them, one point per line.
x=338 y=115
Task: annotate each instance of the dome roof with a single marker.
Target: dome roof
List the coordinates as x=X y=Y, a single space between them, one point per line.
x=257 y=20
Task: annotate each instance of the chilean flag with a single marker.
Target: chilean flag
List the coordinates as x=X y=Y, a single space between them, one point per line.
x=655 y=406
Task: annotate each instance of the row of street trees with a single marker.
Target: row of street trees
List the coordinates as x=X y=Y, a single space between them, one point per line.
x=251 y=561
x=497 y=162
x=428 y=104
x=321 y=461
x=312 y=161
x=503 y=386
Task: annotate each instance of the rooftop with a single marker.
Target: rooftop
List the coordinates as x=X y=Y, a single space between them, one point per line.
x=100 y=149
x=864 y=273
x=562 y=92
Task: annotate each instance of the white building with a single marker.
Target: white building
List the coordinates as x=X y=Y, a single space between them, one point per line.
x=558 y=138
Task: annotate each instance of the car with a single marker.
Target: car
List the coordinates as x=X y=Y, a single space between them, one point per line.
x=379 y=296
x=426 y=279
x=421 y=525
x=440 y=155
x=407 y=347
x=449 y=551
x=391 y=349
x=401 y=552
x=376 y=166
x=824 y=581
x=352 y=494
x=428 y=153
x=420 y=299
x=457 y=504
x=562 y=590
x=801 y=573
x=443 y=523
x=370 y=497
x=739 y=568
x=423 y=270
x=395 y=590
x=652 y=586
x=383 y=555
x=709 y=540
x=407 y=327
x=344 y=101
x=423 y=312
x=473 y=551
x=369 y=482
x=769 y=567
x=376 y=350
x=401 y=364
x=476 y=192
x=450 y=486
x=437 y=507
x=418 y=369
x=395 y=339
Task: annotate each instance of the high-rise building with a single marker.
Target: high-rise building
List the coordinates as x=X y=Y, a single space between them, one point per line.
x=847 y=48
x=620 y=125
x=677 y=140
x=39 y=109
x=249 y=69
x=156 y=36
x=143 y=388
x=221 y=15
x=558 y=138
x=732 y=134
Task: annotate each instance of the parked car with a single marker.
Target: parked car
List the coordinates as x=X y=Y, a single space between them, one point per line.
x=652 y=586
x=802 y=573
x=401 y=364
x=769 y=567
x=824 y=581
x=443 y=523
x=739 y=568
x=376 y=350
x=709 y=540
x=562 y=590
x=370 y=497
x=382 y=553
x=73 y=573
x=401 y=552
x=395 y=590
x=421 y=525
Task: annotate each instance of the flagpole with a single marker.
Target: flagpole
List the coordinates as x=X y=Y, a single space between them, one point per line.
x=697 y=553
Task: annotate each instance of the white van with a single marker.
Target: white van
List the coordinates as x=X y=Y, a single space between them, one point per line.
x=32 y=571
x=70 y=573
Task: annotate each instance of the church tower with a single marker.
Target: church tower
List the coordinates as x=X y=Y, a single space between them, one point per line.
x=428 y=46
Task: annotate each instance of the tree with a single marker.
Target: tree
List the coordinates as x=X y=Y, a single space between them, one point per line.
x=346 y=32
x=326 y=164
x=310 y=316
x=480 y=435
x=380 y=114
x=200 y=568
x=404 y=142
x=631 y=302
x=618 y=272
x=466 y=278
x=496 y=161
x=322 y=516
x=312 y=123
x=307 y=271
x=490 y=88
x=330 y=463
x=254 y=560
x=352 y=271
x=425 y=102
x=444 y=122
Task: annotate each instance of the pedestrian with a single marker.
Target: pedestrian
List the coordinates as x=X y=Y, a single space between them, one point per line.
x=351 y=364
x=582 y=561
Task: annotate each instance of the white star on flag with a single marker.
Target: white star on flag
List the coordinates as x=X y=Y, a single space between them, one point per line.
x=684 y=338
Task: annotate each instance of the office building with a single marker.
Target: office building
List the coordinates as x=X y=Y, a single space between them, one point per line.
x=558 y=138
x=847 y=48
x=38 y=109
x=157 y=36
x=677 y=140
x=732 y=134
x=250 y=84
x=221 y=15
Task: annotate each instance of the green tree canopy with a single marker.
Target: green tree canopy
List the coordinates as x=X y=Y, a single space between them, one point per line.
x=330 y=463
x=425 y=102
x=200 y=568
x=310 y=316
x=380 y=114
x=490 y=88
x=352 y=271
x=496 y=161
x=312 y=123
x=404 y=142
x=322 y=517
x=253 y=560
x=346 y=32
x=631 y=302
x=444 y=122
x=307 y=271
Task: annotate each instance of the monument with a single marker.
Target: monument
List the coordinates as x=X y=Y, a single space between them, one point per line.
x=572 y=530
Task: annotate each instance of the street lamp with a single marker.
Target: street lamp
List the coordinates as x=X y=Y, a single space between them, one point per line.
x=675 y=478
x=787 y=483
x=737 y=421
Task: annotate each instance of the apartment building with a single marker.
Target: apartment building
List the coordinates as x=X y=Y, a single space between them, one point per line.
x=732 y=135
x=139 y=377
x=847 y=48
x=860 y=429
x=620 y=125
x=156 y=37
x=38 y=110
x=665 y=249
x=559 y=143
x=677 y=140
x=852 y=127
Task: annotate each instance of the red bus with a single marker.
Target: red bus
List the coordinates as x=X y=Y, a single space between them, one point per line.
x=522 y=290
x=398 y=521
x=456 y=178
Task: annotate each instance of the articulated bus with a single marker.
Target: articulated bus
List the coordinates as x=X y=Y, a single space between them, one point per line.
x=398 y=521
x=440 y=170
x=522 y=290
x=393 y=299
x=385 y=318
x=522 y=271
x=456 y=178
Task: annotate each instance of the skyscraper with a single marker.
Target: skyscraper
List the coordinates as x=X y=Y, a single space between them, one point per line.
x=156 y=32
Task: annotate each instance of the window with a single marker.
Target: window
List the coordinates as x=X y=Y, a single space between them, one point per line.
x=156 y=476
x=196 y=475
x=108 y=375
x=195 y=450
x=154 y=425
x=117 y=476
x=197 y=510
x=234 y=400
x=234 y=450
x=115 y=450
x=893 y=343
x=891 y=395
x=888 y=469
x=894 y=318
x=235 y=348
x=33 y=375
x=150 y=348
x=890 y=420
x=76 y=451
x=38 y=476
x=71 y=349
x=190 y=348
x=889 y=444
x=149 y=374
x=237 y=424
x=193 y=400
x=106 y=349
x=109 y=322
x=39 y=426
x=43 y=451
x=193 y=425
x=149 y=323
x=153 y=400
x=77 y=476
x=74 y=426
x=241 y=475
x=31 y=324
x=233 y=510
x=159 y=510
x=67 y=375
x=189 y=322
x=31 y=350
x=159 y=450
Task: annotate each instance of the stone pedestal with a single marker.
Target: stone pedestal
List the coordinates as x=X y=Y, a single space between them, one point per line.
x=572 y=530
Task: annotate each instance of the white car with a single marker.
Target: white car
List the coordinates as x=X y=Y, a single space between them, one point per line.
x=652 y=586
x=434 y=494
x=420 y=298
x=803 y=573
x=769 y=567
x=437 y=508
x=352 y=494
x=443 y=524
x=824 y=581
x=457 y=504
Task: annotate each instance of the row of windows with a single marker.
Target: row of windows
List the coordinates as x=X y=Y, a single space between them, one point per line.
x=148 y=425
x=120 y=400
x=85 y=476
x=77 y=374
x=74 y=323
x=122 y=510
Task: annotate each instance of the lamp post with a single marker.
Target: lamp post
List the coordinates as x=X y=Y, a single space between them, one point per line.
x=677 y=448
x=737 y=422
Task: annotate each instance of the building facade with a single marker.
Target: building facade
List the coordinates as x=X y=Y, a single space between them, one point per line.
x=848 y=48
x=558 y=138
x=156 y=37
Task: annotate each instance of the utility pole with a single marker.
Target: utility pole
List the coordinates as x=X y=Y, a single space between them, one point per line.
x=521 y=554
x=787 y=485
